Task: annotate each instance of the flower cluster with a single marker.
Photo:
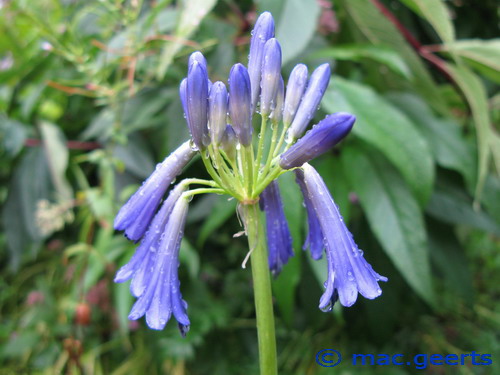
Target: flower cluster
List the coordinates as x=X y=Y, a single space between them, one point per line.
x=245 y=166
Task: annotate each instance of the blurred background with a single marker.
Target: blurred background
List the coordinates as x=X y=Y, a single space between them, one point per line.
x=89 y=103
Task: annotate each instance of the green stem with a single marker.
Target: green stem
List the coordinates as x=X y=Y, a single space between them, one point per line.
x=262 y=290
x=260 y=147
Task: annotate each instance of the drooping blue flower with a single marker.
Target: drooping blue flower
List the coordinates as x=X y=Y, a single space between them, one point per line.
x=271 y=68
x=310 y=101
x=348 y=271
x=297 y=83
x=262 y=32
x=138 y=267
x=134 y=217
x=321 y=138
x=240 y=106
x=279 y=240
x=314 y=239
x=197 y=103
x=217 y=111
x=161 y=297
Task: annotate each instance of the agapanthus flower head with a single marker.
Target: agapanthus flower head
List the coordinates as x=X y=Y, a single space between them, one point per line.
x=244 y=164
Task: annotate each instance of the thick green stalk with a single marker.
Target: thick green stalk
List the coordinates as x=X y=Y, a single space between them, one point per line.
x=262 y=290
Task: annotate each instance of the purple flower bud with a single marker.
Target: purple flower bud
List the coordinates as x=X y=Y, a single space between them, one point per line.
x=161 y=297
x=239 y=103
x=271 y=67
x=196 y=104
x=138 y=264
x=198 y=57
x=279 y=240
x=217 y=111
x=134 y=217
x=348 y=271
x=262 y=32
x=314 y=240
x=297 y=83
x=322 y=137
x=228 y=143
x=277 y=113
x=310 y=101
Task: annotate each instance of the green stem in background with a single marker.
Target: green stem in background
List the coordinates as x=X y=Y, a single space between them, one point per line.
x=262 y=290
x=260 y=147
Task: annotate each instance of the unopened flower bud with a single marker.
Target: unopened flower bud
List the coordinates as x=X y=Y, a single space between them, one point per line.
x=196 y=104
x=271 y=68
x=277 y=113
x=262 y=32
x=310 y=101
x=239 y=103
x=217 y=111
x=228 y=143
x=297 y=83
x=322 y=137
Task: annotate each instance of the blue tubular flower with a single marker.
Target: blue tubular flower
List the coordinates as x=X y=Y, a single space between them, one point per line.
x=138 y=264
x=134 y=217
x=196 y=103
x=271 y=67
x=279 y=240
x=161 y=297
x=240 y=108
x=314 y=239
x=262 y=32
x=217 y=111
x=310 y=101
x=322 y=137
x=297 y=83
x=348 y=271
x=277 y=114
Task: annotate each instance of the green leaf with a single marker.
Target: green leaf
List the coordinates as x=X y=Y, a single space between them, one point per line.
x=29 y=185
x=452 y=205
x=476 y=97
x=190 y=17
x=388 y=129
x=57 y=156
x=436 y=13
x=360 y=52
x=449 y=258
x=393 y=215
x=222 y=210
x=12 y=135
x=123 y=302
x=483 y=55
x=379 y=30
x=288 y=15
x=449 y=147
x=136 y=156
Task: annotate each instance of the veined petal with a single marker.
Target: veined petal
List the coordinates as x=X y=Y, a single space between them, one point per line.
x=277 y=113
x=310 y=101
x=150 y=241
x=279 y=240
x=321 y=138
x=135 y=216
x=314 y=239
x=348 y=271
x=162 y=296
x=217 y=111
